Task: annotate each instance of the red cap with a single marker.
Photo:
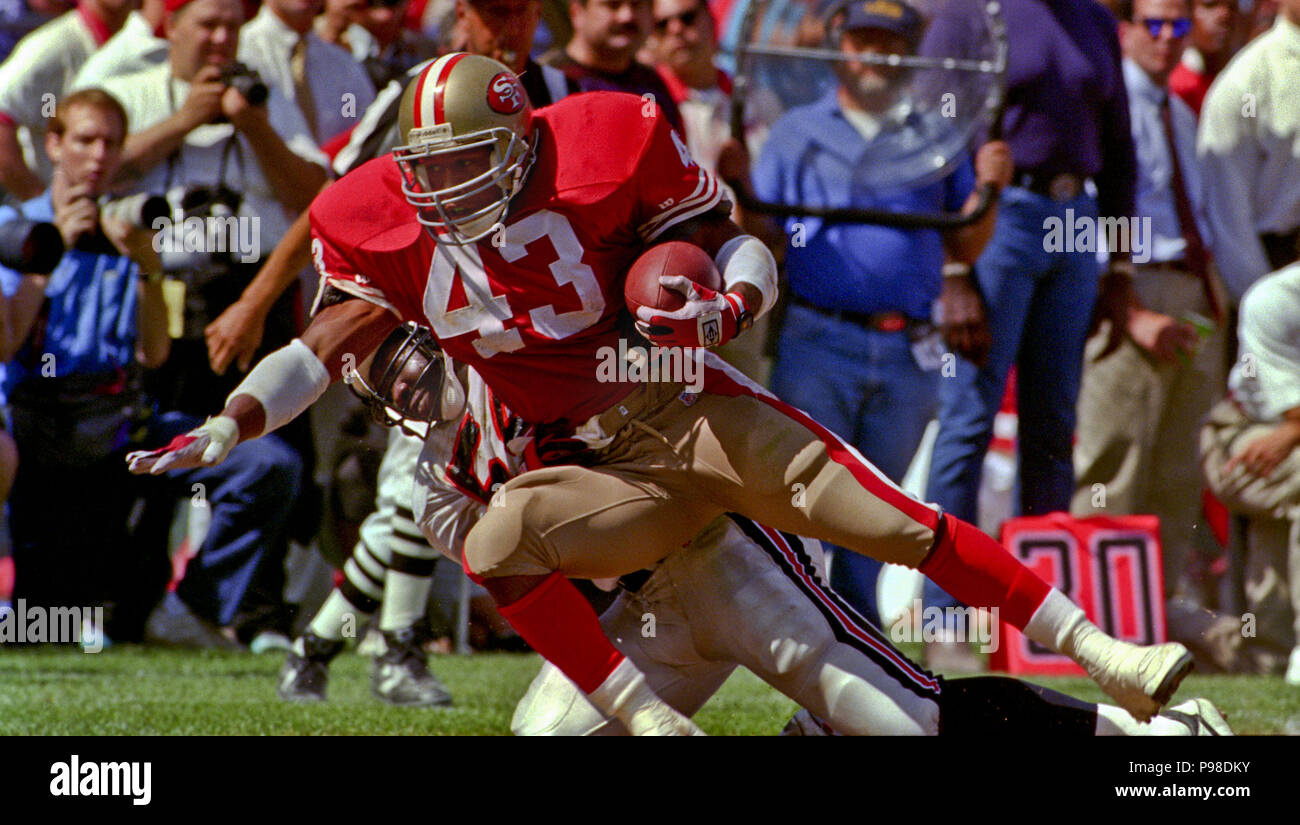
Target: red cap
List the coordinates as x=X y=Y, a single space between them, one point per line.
x=173 y=5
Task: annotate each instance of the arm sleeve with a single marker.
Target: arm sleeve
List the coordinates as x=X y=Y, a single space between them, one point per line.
x=670 y=186
x=333 y=261
x=958 y=186
x=1230 y=164
x=24 y=79
x=1270 y=330
x=1117 y=180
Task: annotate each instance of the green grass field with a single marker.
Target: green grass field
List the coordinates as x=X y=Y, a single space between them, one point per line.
x=144 y=691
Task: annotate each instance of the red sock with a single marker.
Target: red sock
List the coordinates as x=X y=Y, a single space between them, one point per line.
x=980 y=572
x=559 y=624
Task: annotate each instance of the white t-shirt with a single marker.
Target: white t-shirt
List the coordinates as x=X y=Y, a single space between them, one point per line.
x=37 y=71
x=1248 y=147
x=1266 y=378
x=340 y=88
x=147 y=100
x=132 y=49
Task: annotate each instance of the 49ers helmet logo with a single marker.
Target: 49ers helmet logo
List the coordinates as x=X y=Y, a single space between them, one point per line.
x=505 y=94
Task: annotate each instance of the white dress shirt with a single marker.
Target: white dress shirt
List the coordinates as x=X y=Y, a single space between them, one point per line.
x=1266 y=378
x=340 y=88
x=1155 y=188
x=133 y=48
x=35 y=74
x=148 y=101
x=1249 y=151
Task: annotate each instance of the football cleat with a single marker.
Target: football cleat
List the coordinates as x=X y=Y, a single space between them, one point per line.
x=401 y=676
x=1200 y=716
x=1141 y=679
x=659 y=719
x=304 y=677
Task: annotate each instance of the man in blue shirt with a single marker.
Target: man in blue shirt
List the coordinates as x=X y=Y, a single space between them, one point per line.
x=1067 y=122
x=77 y=340
x=857 y=350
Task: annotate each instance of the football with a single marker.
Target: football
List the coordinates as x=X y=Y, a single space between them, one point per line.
x=672 y=258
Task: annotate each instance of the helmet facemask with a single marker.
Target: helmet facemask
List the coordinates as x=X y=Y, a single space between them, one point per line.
x=412 y=383
x=462 y=187
x=468 y=131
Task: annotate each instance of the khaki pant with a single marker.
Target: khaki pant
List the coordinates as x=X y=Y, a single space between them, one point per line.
x=1139 y=421
x=676 y=463
x=1272 y=505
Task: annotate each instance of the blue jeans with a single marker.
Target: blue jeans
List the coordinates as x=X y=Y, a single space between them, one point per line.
x=864 y=386
x=1039 y=307
x=251 y=494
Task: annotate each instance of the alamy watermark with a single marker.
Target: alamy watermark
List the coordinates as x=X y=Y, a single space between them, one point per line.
x=227 y=235
x=1084 y=233
x=34 y=624
x=948 y=624
x=679 y=365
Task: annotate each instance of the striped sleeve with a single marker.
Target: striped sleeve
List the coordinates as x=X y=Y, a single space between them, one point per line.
x=670 y=186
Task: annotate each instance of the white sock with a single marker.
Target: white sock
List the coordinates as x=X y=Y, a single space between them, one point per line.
x=405 y=600
x=1055 y=621
x=330 y=619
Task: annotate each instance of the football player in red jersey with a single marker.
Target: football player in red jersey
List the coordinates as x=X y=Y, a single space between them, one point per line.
x=509 y=232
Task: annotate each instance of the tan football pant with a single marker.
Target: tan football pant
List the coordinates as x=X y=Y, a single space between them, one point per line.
x=677 y=464
x=1139 y=421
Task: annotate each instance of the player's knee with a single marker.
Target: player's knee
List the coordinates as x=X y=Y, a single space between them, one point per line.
x=504 y=534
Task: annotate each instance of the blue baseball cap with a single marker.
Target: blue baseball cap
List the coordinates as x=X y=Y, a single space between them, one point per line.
x=889 y=15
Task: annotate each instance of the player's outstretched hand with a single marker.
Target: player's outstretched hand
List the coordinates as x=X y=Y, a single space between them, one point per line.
x=707 y=319
x=202 y=446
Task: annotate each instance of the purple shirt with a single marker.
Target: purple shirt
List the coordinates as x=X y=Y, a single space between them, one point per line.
x=1066 y=107
x=637 y=80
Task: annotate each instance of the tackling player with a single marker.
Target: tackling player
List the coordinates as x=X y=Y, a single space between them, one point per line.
x=739 y=594
x=509 y=232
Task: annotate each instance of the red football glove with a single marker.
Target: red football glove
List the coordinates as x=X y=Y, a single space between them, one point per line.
x=709 y=319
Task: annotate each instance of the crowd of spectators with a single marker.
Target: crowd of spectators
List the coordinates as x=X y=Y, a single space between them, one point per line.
x=1181 y=115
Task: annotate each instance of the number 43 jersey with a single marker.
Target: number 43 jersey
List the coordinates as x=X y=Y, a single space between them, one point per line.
x=532 y=305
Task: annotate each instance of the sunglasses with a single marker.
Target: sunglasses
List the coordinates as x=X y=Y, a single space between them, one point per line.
x=387 y=4
x=1180 y=25
x=686 y=18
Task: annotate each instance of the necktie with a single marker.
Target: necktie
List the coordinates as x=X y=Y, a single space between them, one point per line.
x=1198 y=259
x=301 y=88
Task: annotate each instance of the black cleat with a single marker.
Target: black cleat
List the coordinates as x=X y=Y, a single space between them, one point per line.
x=304 y=678
x=401 y=676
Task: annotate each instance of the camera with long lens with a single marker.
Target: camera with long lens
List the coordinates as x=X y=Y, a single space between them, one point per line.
x=247 y=81
x=140 y=210
x=31 y=247
x=217 y=206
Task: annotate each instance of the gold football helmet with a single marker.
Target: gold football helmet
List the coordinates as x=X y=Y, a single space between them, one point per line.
x=467 y=123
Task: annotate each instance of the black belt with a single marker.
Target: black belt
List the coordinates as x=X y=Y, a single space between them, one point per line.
x=633 y=582
x=1059 y=186
x=878 y=321
x=1282 y=248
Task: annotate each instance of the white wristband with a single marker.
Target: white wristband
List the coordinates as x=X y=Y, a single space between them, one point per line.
x=286 y=382
x=746 y=260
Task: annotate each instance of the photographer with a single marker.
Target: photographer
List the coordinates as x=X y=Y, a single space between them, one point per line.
x=243 y=169
x=76 y=341
x=237 y=161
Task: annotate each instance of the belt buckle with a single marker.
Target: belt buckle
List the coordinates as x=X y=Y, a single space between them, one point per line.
x=1064 y=187
x=890 y=322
